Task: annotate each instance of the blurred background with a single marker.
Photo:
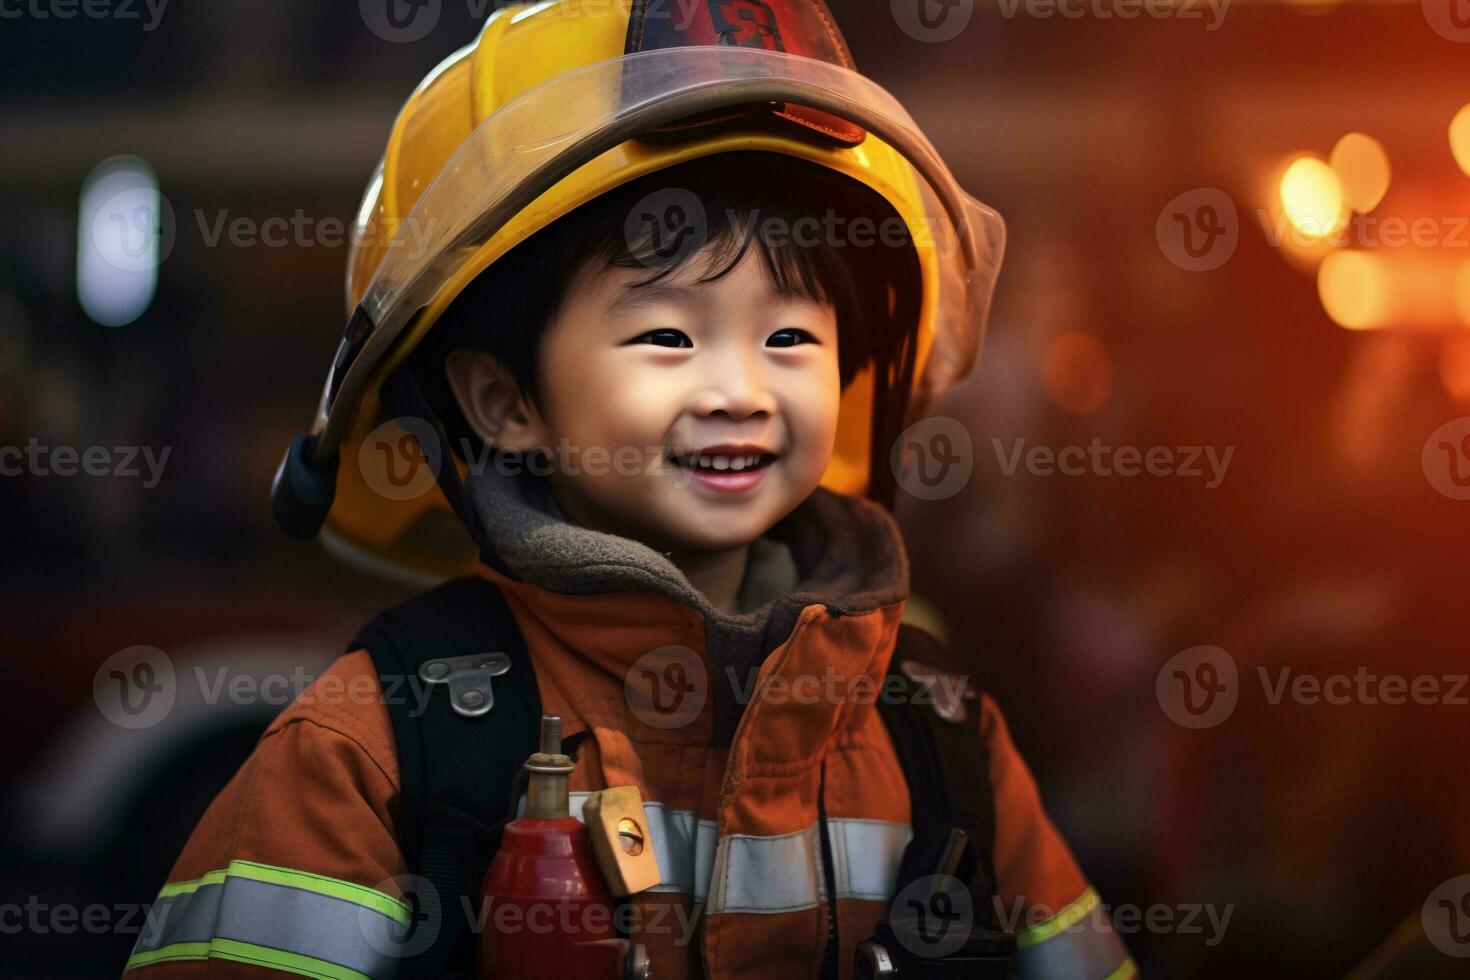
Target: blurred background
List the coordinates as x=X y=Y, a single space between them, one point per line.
x=1237 y=233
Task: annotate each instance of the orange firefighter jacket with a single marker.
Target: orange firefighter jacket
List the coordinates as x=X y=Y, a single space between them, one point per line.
x=295 y=868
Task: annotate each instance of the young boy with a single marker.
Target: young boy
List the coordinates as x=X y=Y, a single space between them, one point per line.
x=665 y=312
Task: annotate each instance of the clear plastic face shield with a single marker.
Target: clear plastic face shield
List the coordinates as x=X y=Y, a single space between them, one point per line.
x=545 y=134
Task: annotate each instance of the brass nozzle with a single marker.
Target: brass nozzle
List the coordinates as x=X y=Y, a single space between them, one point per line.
x=547 y=796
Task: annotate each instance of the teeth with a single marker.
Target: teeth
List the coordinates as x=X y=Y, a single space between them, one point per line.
x=718 y=462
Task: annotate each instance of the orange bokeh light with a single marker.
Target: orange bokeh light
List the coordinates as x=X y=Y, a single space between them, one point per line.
x=1460 y=138
x=1078 y=372
x=1312 y=197
x=1361 y=166
x=1352 y=288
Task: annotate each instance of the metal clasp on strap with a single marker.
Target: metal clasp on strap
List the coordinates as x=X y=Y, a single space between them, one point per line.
x=946 y=692
x=470 y=693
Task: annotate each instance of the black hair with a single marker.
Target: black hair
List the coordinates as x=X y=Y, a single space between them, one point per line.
x=863 y=263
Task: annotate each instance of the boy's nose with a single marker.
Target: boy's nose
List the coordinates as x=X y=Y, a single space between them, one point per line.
x=737 y=390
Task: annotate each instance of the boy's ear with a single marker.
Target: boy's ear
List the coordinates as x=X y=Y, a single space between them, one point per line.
x=492 y=402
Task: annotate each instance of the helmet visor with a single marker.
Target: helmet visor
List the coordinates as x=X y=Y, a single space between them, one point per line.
x=545 y=134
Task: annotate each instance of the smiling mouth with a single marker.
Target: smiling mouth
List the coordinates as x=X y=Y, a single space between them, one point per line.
x=723 y=462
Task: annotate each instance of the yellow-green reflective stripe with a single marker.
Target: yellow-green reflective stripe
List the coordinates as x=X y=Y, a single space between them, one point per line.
x=178 y=951
x=230 y=949
x=291 y=878
x=1062 y=921
x=1124 y=972
x=255 y=913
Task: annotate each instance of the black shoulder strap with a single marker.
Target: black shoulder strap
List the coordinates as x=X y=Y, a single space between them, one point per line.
x=456 y=772
x=946 y=765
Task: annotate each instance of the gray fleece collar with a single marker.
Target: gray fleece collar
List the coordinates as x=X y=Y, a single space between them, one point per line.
x=844 y=552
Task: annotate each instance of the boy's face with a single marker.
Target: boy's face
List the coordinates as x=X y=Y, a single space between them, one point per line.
x=637 y=383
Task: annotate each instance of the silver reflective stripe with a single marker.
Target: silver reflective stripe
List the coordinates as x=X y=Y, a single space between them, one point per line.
x=685 y=847
x=1077 y=942
x=683 y=844
x=866 y=855
x=770 y=874
x=767 y=875
x=276 y=917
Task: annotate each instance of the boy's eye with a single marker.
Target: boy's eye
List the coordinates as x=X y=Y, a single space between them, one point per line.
x=664 y=338
x=790 y=338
